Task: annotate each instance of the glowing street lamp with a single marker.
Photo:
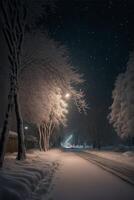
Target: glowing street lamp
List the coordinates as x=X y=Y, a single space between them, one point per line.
x=26 y=127
x=67 y=96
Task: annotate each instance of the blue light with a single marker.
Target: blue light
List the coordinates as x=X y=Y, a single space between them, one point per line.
x=67 y=143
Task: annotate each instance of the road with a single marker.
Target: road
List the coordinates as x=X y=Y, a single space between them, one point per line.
x=123 y=171
x=80 y=179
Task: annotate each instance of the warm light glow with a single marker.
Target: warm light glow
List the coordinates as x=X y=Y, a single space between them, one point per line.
x=67 y=96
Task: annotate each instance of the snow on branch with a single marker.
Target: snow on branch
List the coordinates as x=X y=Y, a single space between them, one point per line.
x=47 y=76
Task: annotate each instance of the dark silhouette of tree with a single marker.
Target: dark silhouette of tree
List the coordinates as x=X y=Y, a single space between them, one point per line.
x=14 y=17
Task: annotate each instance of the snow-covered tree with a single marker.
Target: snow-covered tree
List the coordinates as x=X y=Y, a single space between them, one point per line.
x=57 y=116
x=122 y=108
x=47 y=76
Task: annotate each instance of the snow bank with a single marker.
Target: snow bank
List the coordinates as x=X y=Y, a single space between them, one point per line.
x=29 y=179
x=129 y=153
x=126 y=158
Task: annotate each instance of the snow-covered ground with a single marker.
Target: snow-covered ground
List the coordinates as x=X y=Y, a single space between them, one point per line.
x=30 y=179
x=126 y=158
x=58 y=175
x=79 y=179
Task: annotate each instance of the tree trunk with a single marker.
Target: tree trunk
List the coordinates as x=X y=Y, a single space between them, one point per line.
x=44 y=140
x=47 y=142
x=48 y=133
x=4 y=136
x=94 y=144
x=40 y=138
x=21 y=145
x=99 y=145
x=5 y=129
x=45 y=131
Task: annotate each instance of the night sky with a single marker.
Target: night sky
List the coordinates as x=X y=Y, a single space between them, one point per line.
x=99 y=35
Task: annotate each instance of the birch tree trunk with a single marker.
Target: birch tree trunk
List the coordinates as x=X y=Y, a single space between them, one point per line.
x=21 y=145
x=5 y=132
x=6 y=124
x=45 y=131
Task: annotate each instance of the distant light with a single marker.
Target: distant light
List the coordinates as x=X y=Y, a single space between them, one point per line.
x=26 y=127
x=67 y=143
x=67 y=96
x=68 y=139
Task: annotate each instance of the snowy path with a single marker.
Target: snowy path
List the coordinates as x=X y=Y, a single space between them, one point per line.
x=78 y=179
x=57 y=175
